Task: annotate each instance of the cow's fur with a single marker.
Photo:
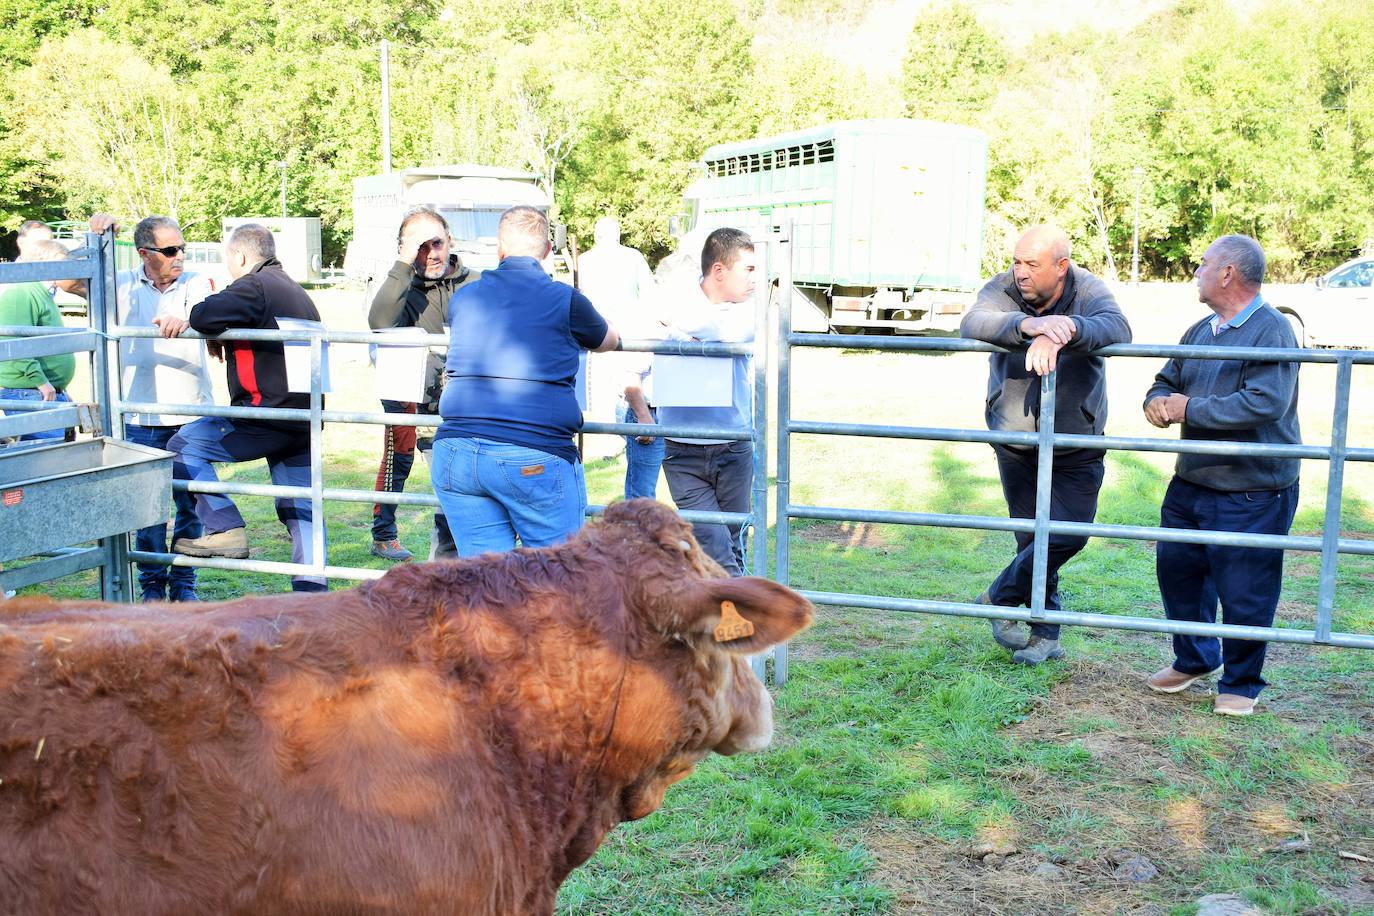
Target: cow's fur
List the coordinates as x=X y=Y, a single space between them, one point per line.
x=454 y=737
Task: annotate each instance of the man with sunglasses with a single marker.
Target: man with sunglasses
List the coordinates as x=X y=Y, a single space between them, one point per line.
x=162 y=370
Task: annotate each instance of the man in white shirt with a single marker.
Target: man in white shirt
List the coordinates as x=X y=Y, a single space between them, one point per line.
x=160 y=293
x=716 y=475
x=617 y=280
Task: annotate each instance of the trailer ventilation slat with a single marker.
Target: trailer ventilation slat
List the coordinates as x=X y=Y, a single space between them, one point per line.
x=784 y=157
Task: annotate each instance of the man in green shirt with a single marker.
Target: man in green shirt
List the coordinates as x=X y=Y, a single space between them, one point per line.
x=42 y=378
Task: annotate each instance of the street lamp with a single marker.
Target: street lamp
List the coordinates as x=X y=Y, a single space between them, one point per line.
x=281 y=164
x=1139 y=174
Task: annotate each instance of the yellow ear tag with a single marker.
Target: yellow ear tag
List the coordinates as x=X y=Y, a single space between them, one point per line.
x=732 y=625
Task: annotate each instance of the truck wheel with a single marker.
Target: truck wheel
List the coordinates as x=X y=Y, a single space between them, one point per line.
x=1299 y=331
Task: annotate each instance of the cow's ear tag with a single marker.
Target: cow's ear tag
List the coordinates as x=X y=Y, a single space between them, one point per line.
x=732 y=625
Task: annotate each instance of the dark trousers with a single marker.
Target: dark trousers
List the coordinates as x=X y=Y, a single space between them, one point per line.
x=398 y=458
x=286 y=446
x=713 y=478
x=185 y=524
x=1246 y=580
x=1074 y=485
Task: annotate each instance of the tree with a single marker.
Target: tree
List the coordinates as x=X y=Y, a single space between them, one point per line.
x=953 y=65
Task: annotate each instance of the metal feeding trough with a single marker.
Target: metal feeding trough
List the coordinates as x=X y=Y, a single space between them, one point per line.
x=55 y=496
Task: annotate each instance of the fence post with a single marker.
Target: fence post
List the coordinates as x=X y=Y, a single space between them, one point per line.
x=1043 y=481
x=1331 y=526
x=116 y=572
x=783 y=485
x=317 y=540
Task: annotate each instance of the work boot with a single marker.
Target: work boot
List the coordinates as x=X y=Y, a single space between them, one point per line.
x=1171 y=680
x=152 y=593
x=1038 y=650
x=232 y=544
x=1233 y=704
x=1010 y=634
x=391 y=550
x=184 y=593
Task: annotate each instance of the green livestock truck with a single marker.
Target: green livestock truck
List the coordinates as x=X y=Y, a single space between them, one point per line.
x=887 y=218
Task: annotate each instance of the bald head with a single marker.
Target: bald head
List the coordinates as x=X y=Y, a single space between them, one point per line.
x=1040 y=263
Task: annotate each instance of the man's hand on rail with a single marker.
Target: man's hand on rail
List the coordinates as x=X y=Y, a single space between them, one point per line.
x=170 y=325
x=1166 y=410
x=1058 y=328
x=48 y=392
x=1042 y=355
x=102 y=221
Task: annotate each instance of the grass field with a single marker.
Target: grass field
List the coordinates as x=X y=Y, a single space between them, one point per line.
x=915 y=770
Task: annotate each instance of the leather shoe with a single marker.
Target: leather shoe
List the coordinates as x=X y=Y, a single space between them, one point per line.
x=1009 y=634
x=232 y=544
x=1038 y=650
x=1233 y=704
x=1171 y=680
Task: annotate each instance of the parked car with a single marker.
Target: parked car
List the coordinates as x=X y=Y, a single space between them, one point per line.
x=1337 y=310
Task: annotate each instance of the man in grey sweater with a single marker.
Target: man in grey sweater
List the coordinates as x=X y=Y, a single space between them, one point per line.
x=1238 y=401
x=1059 y=313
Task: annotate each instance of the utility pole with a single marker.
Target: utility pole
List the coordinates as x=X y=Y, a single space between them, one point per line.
x=282 y=165
x=386 y=106
x=1139 y=175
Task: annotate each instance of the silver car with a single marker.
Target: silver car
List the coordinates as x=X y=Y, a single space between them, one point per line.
x=1338 y=311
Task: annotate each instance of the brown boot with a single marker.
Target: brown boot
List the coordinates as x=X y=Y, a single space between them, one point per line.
x=232 y=544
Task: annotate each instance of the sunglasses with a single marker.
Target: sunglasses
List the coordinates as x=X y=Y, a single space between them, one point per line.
x=169 y=251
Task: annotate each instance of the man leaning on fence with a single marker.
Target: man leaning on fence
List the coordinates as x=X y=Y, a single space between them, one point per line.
x=716 y=475
x=505 y=465
x=260 y=294
x=415 y=294
x=1059 y=313
x=1241 y=401
x=40 y=378
x=161 y=370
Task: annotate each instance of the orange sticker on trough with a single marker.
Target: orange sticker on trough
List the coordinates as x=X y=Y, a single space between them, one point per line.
x=13 y=497
x=732 y=625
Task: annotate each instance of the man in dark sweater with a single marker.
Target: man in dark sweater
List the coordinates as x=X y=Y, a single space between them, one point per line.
x=1059 y=313
x=260 y=294
x=1237 y=401
x=415 y=294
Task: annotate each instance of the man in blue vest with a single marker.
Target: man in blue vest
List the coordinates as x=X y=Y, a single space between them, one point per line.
x=505 y=463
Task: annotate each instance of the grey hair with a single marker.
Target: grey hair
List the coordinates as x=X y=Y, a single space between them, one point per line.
x=423 y=211
x=524 y=231
x=254 y=241
x=47 y=250
x=147 y=228
x=1243 y=253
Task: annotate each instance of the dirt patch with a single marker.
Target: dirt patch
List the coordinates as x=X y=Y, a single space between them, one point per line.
x=843 y=534
x=1152 y=797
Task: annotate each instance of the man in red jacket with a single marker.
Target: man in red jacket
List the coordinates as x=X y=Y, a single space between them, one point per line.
x=260 y=294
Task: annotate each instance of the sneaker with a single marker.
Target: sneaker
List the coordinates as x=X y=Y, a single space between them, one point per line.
x=1171 y=680
x=184 y=593
x=1009 y=634
x=232 y=543
x=1233 y=704
x=391 y=550
x=1038 y=650
x=152 y=593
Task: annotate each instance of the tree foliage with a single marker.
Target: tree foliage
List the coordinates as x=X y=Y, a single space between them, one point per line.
x=1256 y=117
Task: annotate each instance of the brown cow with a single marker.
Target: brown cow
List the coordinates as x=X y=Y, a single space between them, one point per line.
x=452 y=738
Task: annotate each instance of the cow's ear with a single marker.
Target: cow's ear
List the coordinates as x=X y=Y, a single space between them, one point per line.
x=746 y=615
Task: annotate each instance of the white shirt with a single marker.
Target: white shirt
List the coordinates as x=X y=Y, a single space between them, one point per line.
x=618 y=281
x=692 y=315
x=168 y=371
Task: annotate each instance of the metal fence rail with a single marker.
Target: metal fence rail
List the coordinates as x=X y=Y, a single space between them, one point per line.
x=1329 y=544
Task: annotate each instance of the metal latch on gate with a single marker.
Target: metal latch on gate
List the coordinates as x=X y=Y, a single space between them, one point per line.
x=88 y=419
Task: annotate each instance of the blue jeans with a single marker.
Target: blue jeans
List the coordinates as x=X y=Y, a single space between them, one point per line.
x=33 y=394
x=153 y=539
x=1193 y=578
x=494 y=492
x=642 y=462
x=286 y=446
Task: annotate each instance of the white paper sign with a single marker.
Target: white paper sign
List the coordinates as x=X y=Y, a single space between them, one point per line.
x=298 y=356
x=693 y=381
x=400 y=372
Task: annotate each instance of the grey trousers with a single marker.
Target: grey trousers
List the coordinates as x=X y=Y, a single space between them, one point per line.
x=712 y=478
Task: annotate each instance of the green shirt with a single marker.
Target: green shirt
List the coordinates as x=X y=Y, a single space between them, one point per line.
x=29 y=304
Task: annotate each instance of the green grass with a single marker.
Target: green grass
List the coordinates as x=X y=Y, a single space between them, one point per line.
x=904 y=740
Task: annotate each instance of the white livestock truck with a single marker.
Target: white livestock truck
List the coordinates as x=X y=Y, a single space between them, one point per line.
x=471 y=197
